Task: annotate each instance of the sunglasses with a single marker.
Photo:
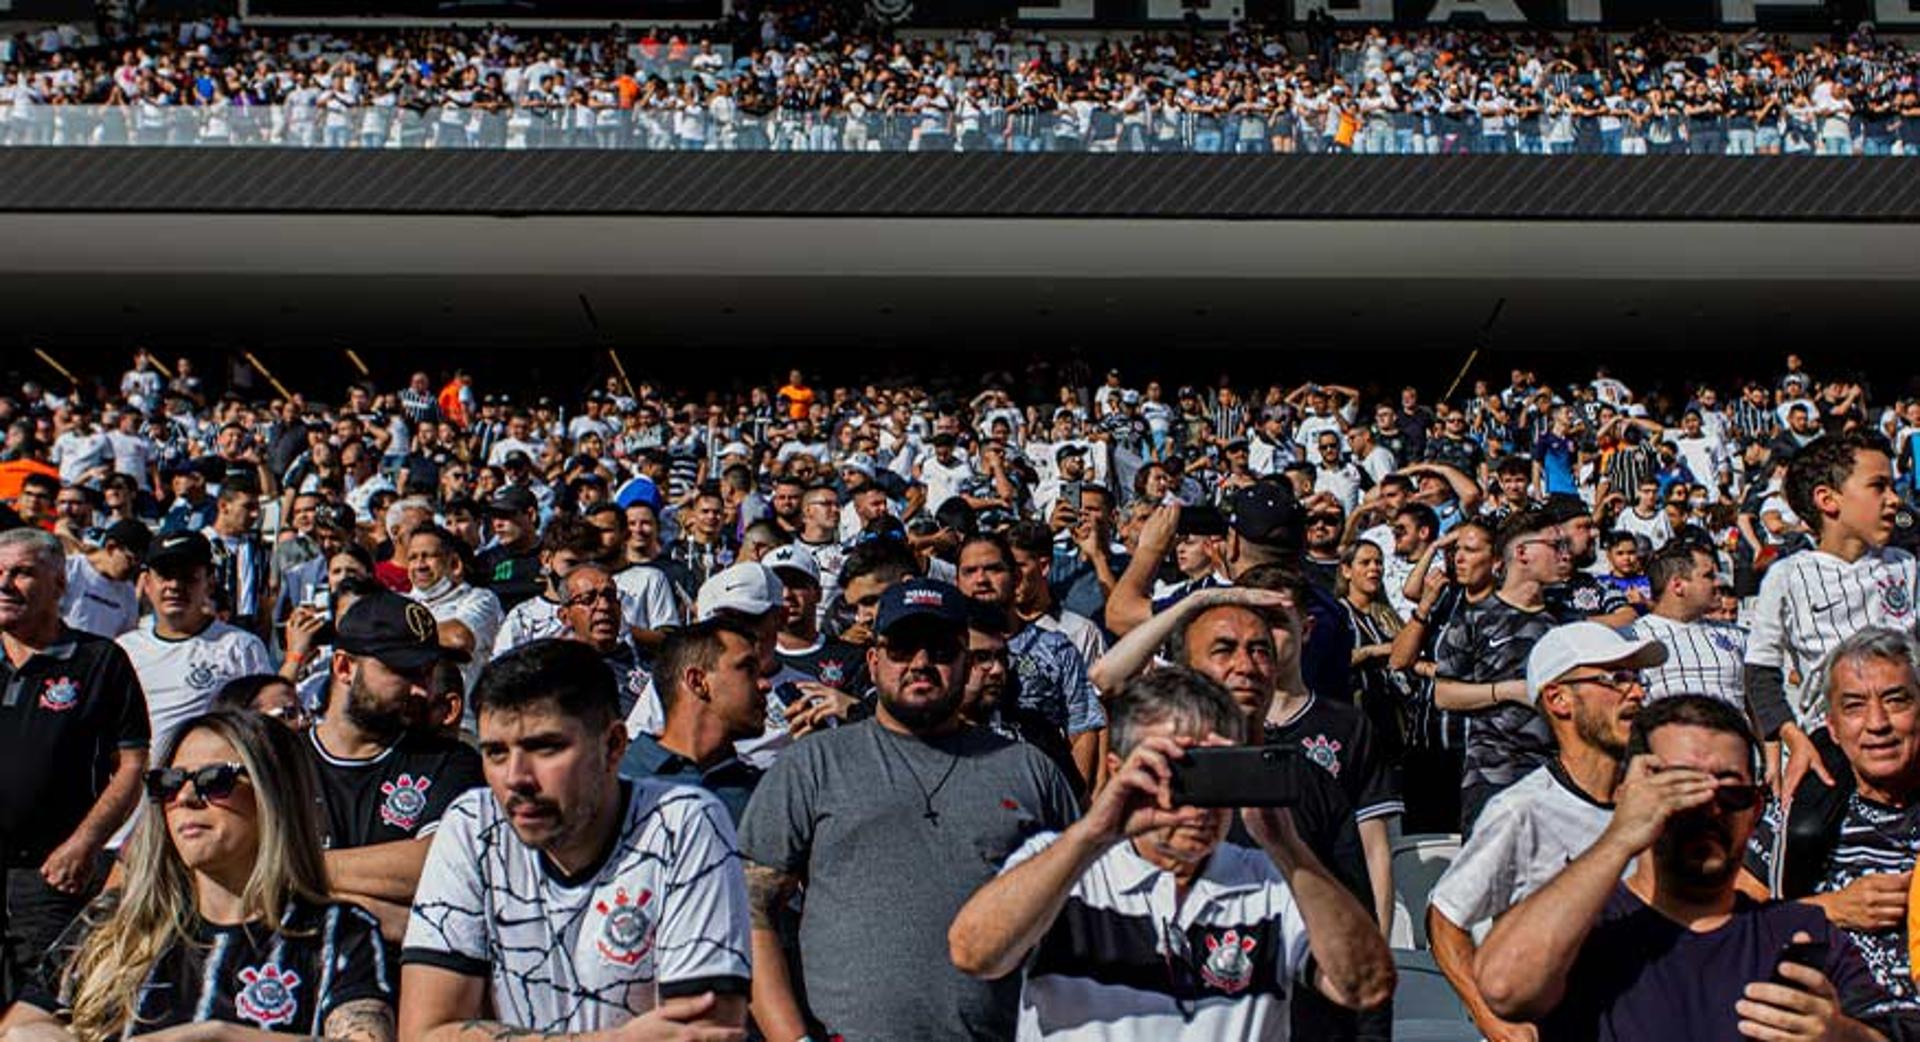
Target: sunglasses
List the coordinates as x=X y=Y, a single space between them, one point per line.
x=942 y=649
x=1735 y=797
x=291 y=714
x=212 y=782
x=1323 y=519
x=1617 y=680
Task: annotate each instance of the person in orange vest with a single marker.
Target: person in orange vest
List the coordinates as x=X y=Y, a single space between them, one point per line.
x=456 y=398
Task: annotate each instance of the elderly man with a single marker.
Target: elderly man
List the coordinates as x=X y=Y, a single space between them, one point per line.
x=469 y=617
x=1857 y=863
x=591 y=613
x=1081 y=909
x=1584 y=679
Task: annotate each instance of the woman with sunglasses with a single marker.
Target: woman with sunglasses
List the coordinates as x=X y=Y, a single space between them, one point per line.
x=223 y=931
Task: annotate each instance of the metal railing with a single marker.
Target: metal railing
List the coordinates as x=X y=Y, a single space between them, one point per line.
x=725 y=129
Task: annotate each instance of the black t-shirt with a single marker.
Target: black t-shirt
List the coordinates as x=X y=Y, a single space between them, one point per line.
x=835 y=663
x=287 y=981
x=1640 y=975
x=66 y=714
x=1337 y=737
x=397 y=795
x=513 y=576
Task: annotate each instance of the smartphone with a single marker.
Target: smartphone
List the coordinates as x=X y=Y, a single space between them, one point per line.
x=1070 y=495
x=787 y=694
x=1238 y=776
x=1811 y=954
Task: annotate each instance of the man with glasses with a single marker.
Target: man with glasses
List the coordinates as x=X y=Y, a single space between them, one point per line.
x=1326 y=524
x=1335 y=474
x=1480 y=665
x=914 y=797
x=591 y=613
x=35 y=501
x=1584 y=679
x=386 y=775
x=1674 y=950
x=1145 y=914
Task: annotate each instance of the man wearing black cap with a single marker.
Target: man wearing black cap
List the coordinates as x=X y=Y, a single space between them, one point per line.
x=510 y=564
x=184 y=653
x=913 y=798
x=385 y=775
x=1581 y=595
x=101 y=598
x=73 y=741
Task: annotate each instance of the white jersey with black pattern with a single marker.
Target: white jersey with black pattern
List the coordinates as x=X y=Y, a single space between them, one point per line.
x=1811 y=601
x=1703 y=658
x=663 y=915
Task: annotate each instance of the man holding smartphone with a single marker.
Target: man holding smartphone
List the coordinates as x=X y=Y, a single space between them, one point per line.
x=1675 y=950
x=1142 y=912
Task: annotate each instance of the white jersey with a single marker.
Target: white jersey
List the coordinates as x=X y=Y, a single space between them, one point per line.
x=476 y=609
x=648 y=594
x=96 y=604
x=530 y=620
x=1239 y=932
x=181 y=676
x=1703 y=658
x=1811 y=601
x=663 y=916
x=1526 y=835
x=1657 y=529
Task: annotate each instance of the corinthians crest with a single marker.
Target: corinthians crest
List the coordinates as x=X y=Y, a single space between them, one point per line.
x=267 y=995
x=626 y=932
x=1229 y=965
x=406 y=800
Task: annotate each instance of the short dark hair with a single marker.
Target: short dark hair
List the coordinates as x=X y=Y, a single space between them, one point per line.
x=1621 y=535
x=1692 y=711
x=1421 y=515
x=240 y=692
x=883 y=558
x=1674 y=561
x=567 y=673
x=1000 y=546
x=1519 y=525
x=689 y=647
x=1515 y=466
x=1032 y=538
x=447 y=539
x=567 y=532
x=1826 y=463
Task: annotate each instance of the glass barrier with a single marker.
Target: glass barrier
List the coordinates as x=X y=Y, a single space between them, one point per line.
x=722 y=127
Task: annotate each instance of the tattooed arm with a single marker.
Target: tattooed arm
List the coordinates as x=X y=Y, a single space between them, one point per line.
x=775 y=1009
x=363 y=1020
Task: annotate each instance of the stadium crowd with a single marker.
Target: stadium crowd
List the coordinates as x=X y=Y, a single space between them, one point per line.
x=884 y=712
x=788 y=80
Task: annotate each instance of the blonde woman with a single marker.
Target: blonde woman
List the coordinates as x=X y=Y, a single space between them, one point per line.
x=223 y=931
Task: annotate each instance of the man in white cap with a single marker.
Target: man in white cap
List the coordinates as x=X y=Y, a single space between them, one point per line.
x=1584 y=678
x=827 y=675
x=748 y=599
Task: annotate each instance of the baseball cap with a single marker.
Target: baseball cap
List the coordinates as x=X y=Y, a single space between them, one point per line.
x=638 y=490
x=1201 y=519
x=920 y=599
x=517 y=458
x=1586 y=644
x=134 y=536
x=401 y=633
x=334 y=516
x=860 y=463
x=735 y=448
x=1069 y=449
x=180 y=548
x=793 y=558
x=512 y=500
x=1266 y=512
x=746 y=588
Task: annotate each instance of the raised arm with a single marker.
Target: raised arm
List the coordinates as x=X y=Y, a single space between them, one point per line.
x=1131 y=654
x=1130 y=602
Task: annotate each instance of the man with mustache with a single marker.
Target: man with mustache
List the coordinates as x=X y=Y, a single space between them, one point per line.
x=914 y=797
x=386 y=775
x=1585 y=680
x=1675 y=950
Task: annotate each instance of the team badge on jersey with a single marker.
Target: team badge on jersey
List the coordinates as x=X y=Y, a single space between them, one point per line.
x=1323 y=751
x=60 y=694
x=1893 y=596
x=406 y=800
x=625 y=932
x=267 y=995
x=833 y=672
x=1229 y=965
x=1723 y=639
x=201 y=676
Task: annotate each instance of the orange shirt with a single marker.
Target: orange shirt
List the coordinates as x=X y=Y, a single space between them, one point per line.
x=798 y=400
x=13 y=473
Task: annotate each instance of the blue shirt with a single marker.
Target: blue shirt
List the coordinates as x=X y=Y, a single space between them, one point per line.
x=1076 y=586
x=1053 y=680
x=731 y=780
x=1556 y=455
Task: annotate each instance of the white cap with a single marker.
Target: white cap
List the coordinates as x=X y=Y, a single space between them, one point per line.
x=735 y=448
x=1564 y=648
x=860 y=463
x=793 y=557
x=747 y=588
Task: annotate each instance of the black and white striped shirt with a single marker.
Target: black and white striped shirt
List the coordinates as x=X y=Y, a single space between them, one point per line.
x=1703 y=658
x=1811 y=601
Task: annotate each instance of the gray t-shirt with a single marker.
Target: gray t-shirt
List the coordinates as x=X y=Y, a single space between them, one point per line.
x=891 y=835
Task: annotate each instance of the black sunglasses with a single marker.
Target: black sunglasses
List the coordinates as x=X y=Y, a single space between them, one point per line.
x=212 y=782
x=1734 y=798
x=941 y=648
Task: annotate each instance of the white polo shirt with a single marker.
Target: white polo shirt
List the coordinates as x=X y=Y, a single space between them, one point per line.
x=1120 y=963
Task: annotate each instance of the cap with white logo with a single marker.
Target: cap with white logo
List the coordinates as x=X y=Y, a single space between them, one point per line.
x=791 y=559
x=747 y=588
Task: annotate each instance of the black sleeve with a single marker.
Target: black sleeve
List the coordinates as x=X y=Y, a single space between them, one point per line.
x=362 y=967
x=1767 y=700
x=124 y=701
x=45 y=990
x=459 y=773
x=1376 y=781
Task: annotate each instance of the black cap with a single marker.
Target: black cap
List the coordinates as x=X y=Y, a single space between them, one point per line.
x=1266 y=512
x=1561 y=508
x=512 y=500
x=920 y=599
x=1201 y=519
x=1069 y=449
x=517 y=458
x=135 y=537
x=337 y=517
x=401 y=633
x=180 y=548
